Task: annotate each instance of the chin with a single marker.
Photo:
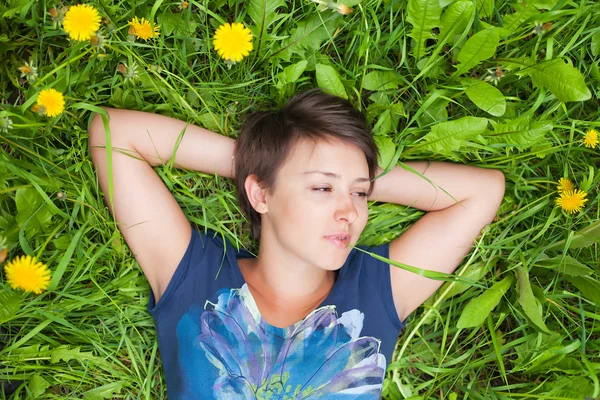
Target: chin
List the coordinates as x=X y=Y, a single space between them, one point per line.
x=334 y=265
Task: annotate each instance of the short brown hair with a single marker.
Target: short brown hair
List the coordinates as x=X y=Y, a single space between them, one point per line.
x=266 y=138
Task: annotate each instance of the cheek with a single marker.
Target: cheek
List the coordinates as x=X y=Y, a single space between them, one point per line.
x=363 y=214
x=293 y=210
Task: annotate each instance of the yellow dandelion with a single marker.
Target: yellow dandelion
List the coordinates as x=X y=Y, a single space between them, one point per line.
x=143 y=29
x=572 y=201
x=233 y=41
x=51 y=101
x=565 y=185
x=591 y=138
x=81 y=22
x=28 y=274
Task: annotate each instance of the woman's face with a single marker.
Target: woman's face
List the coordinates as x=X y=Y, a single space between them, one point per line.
x=319 y=203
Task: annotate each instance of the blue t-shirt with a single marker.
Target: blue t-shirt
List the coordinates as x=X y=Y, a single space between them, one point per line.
x=214 y=344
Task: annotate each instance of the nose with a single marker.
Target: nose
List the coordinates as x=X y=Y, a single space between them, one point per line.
x=346 y=210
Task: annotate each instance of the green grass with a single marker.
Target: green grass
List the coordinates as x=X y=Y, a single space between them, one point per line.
x=90 y=335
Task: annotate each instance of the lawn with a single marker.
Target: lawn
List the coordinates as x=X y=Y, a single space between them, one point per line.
x=498 y=84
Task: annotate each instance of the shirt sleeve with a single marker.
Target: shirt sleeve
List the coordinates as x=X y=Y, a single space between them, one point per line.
x=198 y=272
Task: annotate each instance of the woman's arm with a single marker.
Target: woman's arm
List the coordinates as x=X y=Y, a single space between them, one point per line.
x=401 y=186
x=440 y=239
x=146 y=212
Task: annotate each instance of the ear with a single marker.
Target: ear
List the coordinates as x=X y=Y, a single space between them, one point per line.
x=256 y=194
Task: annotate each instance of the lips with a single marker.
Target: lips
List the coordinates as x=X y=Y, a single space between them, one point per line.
x=341 y=240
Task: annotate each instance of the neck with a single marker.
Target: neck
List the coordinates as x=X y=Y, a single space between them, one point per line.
x=287 y=279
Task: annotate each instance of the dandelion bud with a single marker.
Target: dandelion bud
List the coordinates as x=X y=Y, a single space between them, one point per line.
x=6 y=124
x=122 y=68
x=25 y=70
x=53 y=12
x=94 y=40
x=344 y=9
x=3 y=249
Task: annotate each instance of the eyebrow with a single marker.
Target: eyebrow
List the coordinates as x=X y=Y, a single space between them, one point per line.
x=335 y=176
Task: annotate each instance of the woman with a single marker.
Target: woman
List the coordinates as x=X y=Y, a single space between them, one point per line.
x=309 y=316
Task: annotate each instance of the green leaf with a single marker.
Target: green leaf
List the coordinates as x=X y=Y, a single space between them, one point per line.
x=595 y=44
x=447 y=137
x=292 y=73
x=65 y=353
x=387 y=150
x=308 y=36
x=477 y=310
x=65 y=259
x=432 y=109
x=519 y=132
x=474 y=271
x=173 y=22
x=263 y=14
x=108 y=391
x=479 y=47
x=568 y=387
x=328 y=79
x=485 y=8
x=561 y=79
x=543 y=4
x=595 y=72
x=545 y=357
x=381 y=80
x=37 y=386
x=423 y=15
x=455 y=20
x=569 y=365
x=211 y=121
x=11 y=303
x=588 y=287
x=389 y=119
x=564 y=264
x=510 y=23
x=584 y=238
x=528 y=302
x=544 y=361
x=31 y=209
x=488 y=98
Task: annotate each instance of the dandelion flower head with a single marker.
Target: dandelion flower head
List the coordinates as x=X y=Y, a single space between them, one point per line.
x=26 y=273
x=233 y=41
x=565 y=185
x=591 y=138
x=81 y=22
x=143 y=29
x=52 y=101
x=572 y=201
